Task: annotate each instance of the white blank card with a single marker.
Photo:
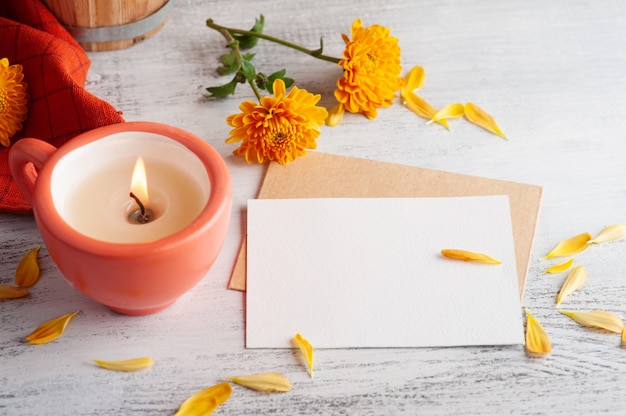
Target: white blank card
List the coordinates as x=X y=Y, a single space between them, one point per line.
x=368 y=272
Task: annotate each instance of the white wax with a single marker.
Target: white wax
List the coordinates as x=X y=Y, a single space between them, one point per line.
x=100 y=204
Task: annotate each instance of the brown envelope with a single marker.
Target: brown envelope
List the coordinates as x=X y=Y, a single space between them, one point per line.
x=320 y=175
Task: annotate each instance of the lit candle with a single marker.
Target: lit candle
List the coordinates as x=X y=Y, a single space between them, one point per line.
x=139 y=192
x=170 y=183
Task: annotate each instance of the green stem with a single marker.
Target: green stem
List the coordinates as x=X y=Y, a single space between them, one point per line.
x=317 y=53
x=234 y=45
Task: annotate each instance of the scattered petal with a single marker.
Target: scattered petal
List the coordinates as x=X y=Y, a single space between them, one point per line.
x=335 y=115
x=597 y=319
x=422 y=108
x=455 y=110
x=204 y=402
x=306 y=349
x=414 y=80
x=610 y=233
x=468 y=256
x=12 y=292
x=50 y=330
x=570 y=246
x=27 y=272
x=573 y=282
x=132 y=364
x=478 y=116
x=561 y=267
x=270 y=382
x=537 y=340
x=624 y=336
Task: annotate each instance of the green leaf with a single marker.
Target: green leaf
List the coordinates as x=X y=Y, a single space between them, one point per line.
x=248 y=70
x=247 y=56
x=248 y=41
x=223 y=90
x=228 y=59
x=278 y=75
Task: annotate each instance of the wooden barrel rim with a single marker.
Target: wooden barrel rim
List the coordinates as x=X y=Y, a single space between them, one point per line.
x=121 y=32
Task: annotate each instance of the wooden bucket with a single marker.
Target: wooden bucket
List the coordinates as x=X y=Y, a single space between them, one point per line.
x=105 y=25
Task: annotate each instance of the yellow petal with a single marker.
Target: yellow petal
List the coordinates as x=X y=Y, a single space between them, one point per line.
x=624 y=336
x=465 y=255
x=306 y=349
x=597 y=319
x=205 y=401
x=455 y=110
x=537 y=340
x=50 y=330
x=12 y=292
x=570 y=246
x=270 y=382
x=414 y=80
x=478 y=116
x=335 y=115
x=610 y=233
x=561 y=267
x=27 y=272
x=573 y=282
x=132 y=364
x=422 y=108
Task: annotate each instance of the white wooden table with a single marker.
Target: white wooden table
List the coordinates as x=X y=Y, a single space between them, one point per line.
x=551 y=72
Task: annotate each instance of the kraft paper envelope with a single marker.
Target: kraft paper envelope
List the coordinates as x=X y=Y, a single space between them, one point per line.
x=320 y=175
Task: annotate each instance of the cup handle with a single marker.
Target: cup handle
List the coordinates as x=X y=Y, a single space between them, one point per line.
x=26 y=158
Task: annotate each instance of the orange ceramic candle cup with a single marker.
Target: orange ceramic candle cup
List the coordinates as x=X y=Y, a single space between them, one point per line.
x=80 y=198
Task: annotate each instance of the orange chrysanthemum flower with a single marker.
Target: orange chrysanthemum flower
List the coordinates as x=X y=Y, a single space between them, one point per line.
x=13 y=100
x=371 y=64
x=280 y=128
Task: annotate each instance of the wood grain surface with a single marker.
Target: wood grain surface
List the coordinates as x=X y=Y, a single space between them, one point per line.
x=551 y=73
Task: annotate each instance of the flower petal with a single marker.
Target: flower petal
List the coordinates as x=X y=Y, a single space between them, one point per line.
x=597 y=319
x=570 y=246
x=422 y=108
x=537 y=340
x=306 y=349
x=561 y=267
x=132 y=364
x=455 y=110
x=574 y=281
x=414 y=80
x=269 y=382
x=610 y=233
x=27 y=272
x=12 y=292
x=624 y=336
x=465 y=255
x=478 y=116
x=204 y=402
x=335 y=115
x=50 y=330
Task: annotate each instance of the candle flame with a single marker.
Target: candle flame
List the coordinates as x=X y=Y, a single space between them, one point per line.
x=139 y=182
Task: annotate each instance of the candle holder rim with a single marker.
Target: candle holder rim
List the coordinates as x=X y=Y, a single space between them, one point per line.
x=220 y=197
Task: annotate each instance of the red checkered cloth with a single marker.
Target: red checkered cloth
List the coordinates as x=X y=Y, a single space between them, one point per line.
x=55 y=69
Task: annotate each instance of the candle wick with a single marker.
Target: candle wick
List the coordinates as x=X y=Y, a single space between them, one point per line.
x=144 y=217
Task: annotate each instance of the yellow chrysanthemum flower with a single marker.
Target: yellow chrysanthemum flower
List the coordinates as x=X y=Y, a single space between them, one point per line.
x=280 y=128
x=371 y=65
x=13 y=100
